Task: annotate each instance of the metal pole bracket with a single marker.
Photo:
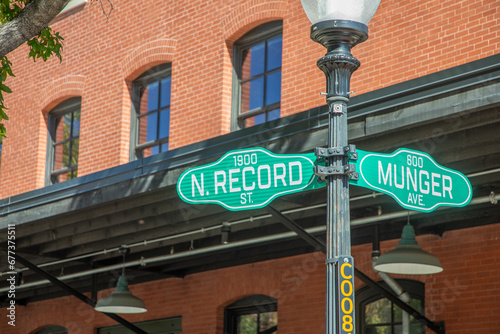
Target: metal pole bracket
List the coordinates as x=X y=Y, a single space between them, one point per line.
x=349 y=151
x=325 y=171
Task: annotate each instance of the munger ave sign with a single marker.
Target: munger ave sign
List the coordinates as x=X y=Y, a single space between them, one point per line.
x=413 y=179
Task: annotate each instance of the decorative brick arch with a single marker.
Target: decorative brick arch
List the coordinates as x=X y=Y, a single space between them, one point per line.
x=147 y=55
x=250 y=15
x=62 y=89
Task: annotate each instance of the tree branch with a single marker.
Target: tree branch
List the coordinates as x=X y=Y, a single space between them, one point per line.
x=29 y=23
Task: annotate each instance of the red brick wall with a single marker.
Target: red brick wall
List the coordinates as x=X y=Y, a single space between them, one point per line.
x=407 y=39
x=466 y=295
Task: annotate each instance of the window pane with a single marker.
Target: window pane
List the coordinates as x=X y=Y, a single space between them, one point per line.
x=164 y=123
x=165 y=92
x=148 y=126
x=398 y=313
x=60 y=161
x=274 y=47
x=74 y=152
x=273 y=88
x=151 y=95
x=76 y=124
x=155 y=149
x=268 y=320
x=378 y=312
x=65 y=156
x=415 y=303
x=143 y=100
x=62 y=128
x=67 y=125
x=245 y=97
x=252 y=95
x=247 y=324
x=273 y=114
x=245 y=64
x=259 y=119
x=257 y=59
x=256 y=93
x=417 y=328
x=164 y=147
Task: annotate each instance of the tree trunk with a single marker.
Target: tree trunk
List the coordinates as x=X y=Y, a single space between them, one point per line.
x=35 y=17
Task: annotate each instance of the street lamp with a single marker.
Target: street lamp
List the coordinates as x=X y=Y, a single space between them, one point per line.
x=338 y=25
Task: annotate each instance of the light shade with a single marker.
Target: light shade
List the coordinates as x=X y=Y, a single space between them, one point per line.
x=121 y=300
x=408 y=258
x=360 y=11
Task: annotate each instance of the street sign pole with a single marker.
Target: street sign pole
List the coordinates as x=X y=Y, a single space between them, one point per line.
x=338 y=65
x=338 y=230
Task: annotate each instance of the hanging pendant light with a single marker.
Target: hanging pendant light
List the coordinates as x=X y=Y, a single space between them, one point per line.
x=121 y=300
x=408 y=257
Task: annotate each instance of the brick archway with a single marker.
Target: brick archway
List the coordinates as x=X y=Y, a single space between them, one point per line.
x=62 y=89
x=250 y=15
x=147 y=55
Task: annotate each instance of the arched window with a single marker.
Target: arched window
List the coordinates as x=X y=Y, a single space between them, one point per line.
x=63 y=141
x=257 y=314
x=378 y=315
x=257 y=76
x=151 y=112
x=52 y=330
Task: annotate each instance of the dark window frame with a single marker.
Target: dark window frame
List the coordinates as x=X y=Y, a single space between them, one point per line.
x=249 y=305
x=69 y=106
x=367 y=295
x=262 y=33
x=154 y=74
x=53 y=329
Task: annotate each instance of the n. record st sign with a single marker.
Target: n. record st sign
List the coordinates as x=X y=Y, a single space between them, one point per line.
x=248 y=179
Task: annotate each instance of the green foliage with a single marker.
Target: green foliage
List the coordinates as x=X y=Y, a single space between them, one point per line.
x=5 y=71
x=45 y=45
x=10 y=8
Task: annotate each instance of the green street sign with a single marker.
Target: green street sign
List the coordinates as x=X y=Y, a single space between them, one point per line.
x=248 y=179
x=413 y=179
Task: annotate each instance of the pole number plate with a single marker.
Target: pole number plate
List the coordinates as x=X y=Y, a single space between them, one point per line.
x=345 y=294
